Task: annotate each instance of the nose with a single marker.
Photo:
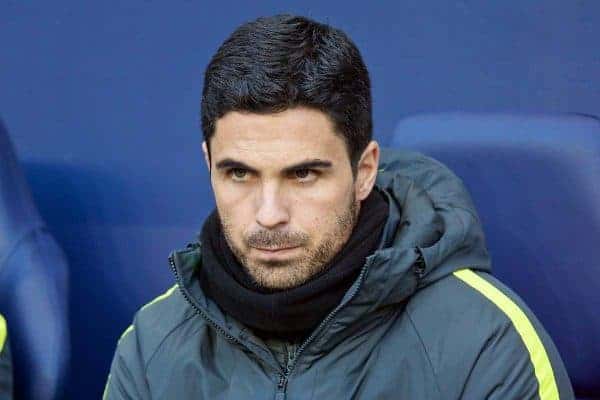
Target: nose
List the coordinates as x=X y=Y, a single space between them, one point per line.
x=271 y=208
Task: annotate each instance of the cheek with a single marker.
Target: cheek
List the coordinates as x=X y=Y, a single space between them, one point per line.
x=235 y=213
x=230 y=198
x=227 y=193
x=316 y=213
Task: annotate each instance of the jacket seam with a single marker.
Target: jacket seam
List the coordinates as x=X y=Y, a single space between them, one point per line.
x=147 y=364
x=412 y=323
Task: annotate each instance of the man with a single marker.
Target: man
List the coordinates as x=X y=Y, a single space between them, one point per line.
x=330 y=268
x=5 y=363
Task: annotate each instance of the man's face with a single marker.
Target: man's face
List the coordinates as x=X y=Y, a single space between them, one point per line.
x=285 y=192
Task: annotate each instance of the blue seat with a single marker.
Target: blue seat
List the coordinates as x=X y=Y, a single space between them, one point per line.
x=33 y=286
x=536 y=183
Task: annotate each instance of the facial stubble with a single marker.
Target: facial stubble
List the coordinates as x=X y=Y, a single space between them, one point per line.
x=286 y=274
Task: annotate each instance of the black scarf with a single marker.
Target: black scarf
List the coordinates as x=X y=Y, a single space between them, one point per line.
x=291 y=313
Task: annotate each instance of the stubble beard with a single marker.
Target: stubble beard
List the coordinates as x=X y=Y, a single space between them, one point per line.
x=280 y=275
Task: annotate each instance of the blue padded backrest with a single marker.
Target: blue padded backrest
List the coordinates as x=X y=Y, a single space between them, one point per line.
x=536 y=183
x=33 y=286
x=117 y=224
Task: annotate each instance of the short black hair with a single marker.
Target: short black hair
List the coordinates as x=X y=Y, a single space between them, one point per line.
x=275 y=63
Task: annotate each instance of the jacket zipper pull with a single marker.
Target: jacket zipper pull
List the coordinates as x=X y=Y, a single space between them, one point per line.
x=419 y=265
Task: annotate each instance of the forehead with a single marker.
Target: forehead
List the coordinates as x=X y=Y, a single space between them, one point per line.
x=277 y=138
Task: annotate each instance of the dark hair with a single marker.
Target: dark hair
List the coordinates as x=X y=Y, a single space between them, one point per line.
x=279 y=62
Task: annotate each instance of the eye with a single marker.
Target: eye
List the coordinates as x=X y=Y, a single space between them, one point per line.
x=302 y=173
x=238 y=173
x=305 y=174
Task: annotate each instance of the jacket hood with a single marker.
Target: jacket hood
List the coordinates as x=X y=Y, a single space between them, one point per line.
x=432 y=230
x=432 y=215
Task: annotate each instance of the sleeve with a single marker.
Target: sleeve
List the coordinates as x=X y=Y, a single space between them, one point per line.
x=5 y=363
x=519 y=360
x=126 y=380
x=504 y=371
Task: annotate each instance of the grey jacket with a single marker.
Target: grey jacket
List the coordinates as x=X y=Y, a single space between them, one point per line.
x=6 y=378
x=424 y=320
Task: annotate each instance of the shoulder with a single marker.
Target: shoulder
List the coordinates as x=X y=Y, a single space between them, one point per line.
x=470 y=318
x=154 y=323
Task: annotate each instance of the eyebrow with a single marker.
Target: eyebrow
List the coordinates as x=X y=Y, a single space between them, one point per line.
x=307 y=164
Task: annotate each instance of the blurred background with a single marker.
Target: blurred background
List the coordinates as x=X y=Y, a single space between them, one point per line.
x=101 y=101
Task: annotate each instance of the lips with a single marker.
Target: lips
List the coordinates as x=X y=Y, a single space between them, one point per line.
x=275 y=249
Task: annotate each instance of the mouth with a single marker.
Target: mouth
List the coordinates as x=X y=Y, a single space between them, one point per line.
x=271 y=253
x=275 y=249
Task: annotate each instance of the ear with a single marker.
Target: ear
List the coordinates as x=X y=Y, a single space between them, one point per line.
x=206 y=156
x=367 y=170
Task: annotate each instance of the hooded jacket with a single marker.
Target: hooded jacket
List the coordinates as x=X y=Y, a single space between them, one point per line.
x=425 y=319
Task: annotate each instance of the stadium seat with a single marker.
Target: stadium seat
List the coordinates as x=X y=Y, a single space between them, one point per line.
x=535 y=180
x=33 y=286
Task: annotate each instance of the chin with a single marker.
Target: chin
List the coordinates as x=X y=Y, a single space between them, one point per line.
x=277 y=277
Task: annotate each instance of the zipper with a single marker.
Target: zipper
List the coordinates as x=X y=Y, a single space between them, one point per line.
x=419 y=265
x=290 y=355
x=282 y=383
x=283 y=378
x=200 y=312
x=292 y=361
x=198 y=309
